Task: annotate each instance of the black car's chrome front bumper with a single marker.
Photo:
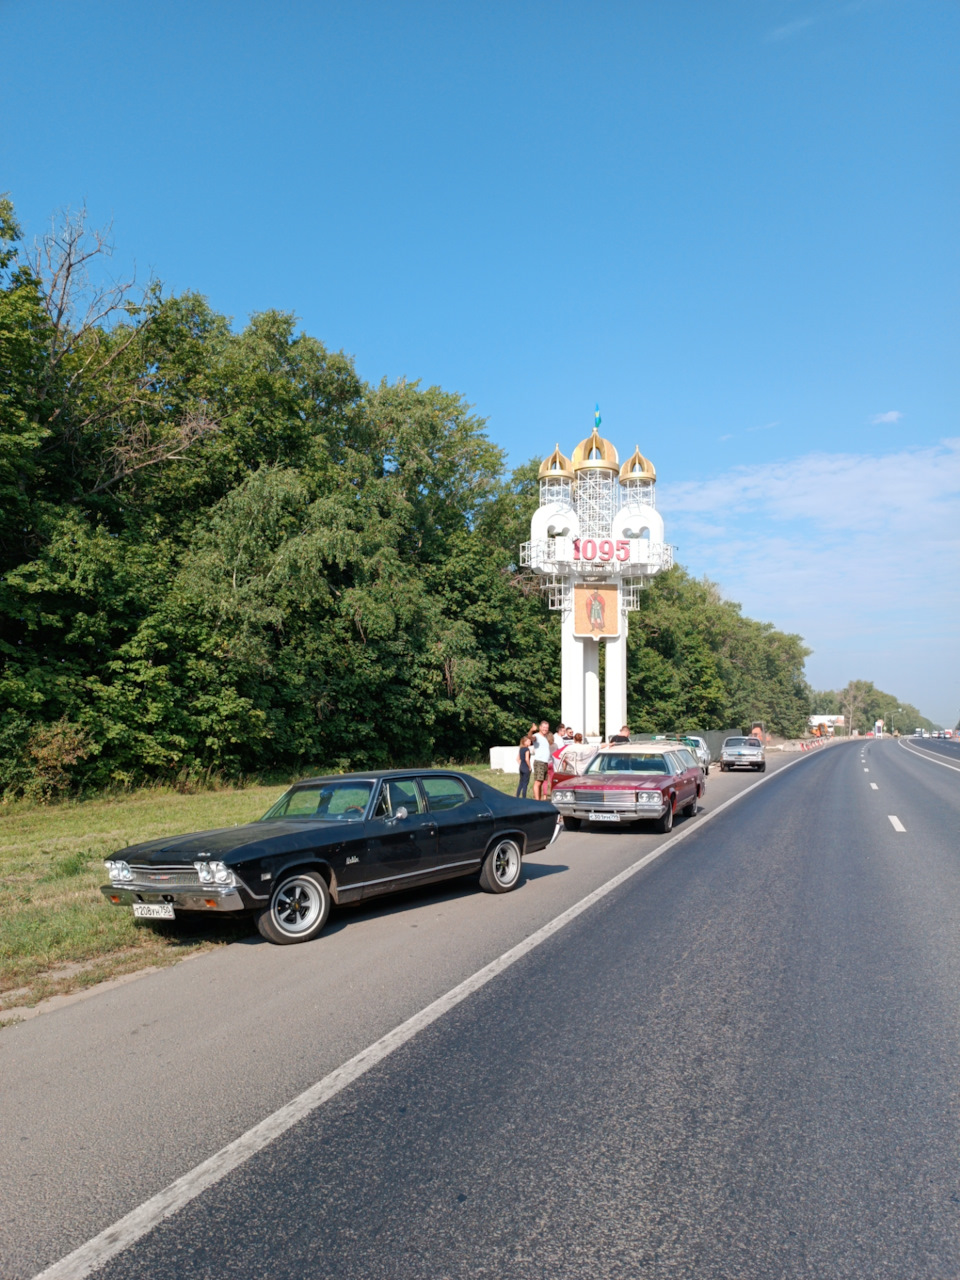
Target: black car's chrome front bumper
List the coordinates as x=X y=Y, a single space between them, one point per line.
x=213 y=897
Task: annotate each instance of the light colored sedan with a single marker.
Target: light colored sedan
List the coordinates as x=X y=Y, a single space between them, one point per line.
x=742 y=753
x=700 y=749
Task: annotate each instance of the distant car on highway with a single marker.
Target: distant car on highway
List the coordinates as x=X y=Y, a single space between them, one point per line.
x=336 y=839
x=742 y=753
x=632 y=782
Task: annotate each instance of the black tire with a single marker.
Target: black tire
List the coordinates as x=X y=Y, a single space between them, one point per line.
x=572 y=824
x=690 y=810
x=665 y=823
x=763 y=767
x=298 y=910
x=502 y=867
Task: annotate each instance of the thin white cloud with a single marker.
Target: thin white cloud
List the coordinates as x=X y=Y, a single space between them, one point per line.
x=790 y=29
x=859 y=553
x=892 y=415
x=766 y=426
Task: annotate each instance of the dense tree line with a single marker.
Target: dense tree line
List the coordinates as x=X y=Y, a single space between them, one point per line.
x=222 y=550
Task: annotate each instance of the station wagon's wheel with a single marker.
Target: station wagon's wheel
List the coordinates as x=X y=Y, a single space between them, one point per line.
x=571 y=824
x=690 y=810
x=501 y=867
x=665 y=823
x=298 y=909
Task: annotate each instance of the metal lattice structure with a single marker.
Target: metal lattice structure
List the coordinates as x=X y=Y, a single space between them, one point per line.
x=555 y=490
x=641 y=491
x=597 y=500
x=557 y=591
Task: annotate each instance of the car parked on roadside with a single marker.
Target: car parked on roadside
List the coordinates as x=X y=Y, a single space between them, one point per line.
x=743 y=753
x=632 y=782
x=699 y=748
x=336 y=840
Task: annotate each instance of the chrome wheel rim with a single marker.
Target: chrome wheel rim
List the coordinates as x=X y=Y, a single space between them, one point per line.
x=506 y=862
x=297 y=905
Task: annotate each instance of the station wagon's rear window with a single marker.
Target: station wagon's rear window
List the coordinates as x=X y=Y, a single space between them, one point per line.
x=326 y=801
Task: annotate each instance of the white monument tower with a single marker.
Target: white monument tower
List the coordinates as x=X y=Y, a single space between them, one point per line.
x=595 y=540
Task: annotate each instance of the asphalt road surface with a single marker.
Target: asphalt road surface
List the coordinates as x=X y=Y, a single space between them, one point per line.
x=741 y=1062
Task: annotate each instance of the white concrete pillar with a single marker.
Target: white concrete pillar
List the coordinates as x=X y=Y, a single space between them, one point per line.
x=591 y=688
x=616 y=680
x=571 y=674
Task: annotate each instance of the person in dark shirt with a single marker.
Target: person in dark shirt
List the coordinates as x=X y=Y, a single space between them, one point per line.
x=523 y=759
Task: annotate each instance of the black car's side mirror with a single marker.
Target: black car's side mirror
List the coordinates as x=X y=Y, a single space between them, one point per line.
x=400 y=814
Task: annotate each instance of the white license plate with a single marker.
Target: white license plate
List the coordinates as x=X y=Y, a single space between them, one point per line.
x=604 y=817
x=153 y=910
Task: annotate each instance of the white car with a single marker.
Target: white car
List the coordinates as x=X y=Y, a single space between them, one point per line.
x=700 y=748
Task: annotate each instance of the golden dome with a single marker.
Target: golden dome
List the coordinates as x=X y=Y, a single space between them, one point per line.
x=637 y=467
x=556 y=467
x=595 y=454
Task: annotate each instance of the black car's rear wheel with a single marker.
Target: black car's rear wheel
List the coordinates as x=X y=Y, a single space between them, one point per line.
x=571 y=824
x=501 y=868
x=298 y=909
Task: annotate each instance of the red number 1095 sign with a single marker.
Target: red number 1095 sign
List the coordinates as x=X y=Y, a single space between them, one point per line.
x=604 y=551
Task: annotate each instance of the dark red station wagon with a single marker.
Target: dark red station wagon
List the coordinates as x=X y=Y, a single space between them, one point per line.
x=633 y=782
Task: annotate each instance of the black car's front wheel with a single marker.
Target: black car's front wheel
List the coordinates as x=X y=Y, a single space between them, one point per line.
x=298 y=909
x=501 y=868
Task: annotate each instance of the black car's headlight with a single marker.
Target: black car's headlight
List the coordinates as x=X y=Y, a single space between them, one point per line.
x=118 y=870
x=215 y=873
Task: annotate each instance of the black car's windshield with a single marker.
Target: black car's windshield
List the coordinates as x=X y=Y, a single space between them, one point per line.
x=326 y=801
x=628 y=763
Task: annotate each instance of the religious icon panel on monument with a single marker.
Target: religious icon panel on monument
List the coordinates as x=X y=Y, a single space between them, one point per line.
x=596 y=611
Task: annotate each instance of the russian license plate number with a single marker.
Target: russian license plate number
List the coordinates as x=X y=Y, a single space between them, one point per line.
x=604 y=817
x=153 y=910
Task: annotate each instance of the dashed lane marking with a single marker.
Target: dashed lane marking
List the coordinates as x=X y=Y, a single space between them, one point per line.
x=874 y=787
x=895 y=822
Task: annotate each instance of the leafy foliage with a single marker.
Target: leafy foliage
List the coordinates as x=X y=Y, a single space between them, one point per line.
x=222 y=551
x=862 y=704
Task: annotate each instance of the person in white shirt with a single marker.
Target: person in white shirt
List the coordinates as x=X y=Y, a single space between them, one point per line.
x=542 y=753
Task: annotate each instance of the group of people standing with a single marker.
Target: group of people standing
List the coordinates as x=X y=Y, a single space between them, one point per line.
x=540 y=750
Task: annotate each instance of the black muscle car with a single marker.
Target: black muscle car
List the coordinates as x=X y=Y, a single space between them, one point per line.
x=336 y=839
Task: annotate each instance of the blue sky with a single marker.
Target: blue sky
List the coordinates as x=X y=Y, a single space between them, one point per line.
x=732 y=224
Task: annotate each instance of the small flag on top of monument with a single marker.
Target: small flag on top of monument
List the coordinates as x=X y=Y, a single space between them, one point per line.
x=597 y=417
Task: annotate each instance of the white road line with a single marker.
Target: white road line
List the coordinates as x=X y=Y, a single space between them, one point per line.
x=874 y=787
x=929 y=755
x=895 y=822
x=121 y=1235
x=866 y=771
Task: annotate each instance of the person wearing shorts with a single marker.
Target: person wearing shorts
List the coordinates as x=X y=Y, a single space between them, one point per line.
x=542 y=753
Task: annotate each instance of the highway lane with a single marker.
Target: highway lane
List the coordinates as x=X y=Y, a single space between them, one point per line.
x=743 y=1062
x=105 y=1102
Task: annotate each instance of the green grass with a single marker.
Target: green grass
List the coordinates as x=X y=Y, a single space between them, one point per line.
x=57 y=932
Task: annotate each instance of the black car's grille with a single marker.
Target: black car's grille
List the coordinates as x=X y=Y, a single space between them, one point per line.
x=177 y=876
